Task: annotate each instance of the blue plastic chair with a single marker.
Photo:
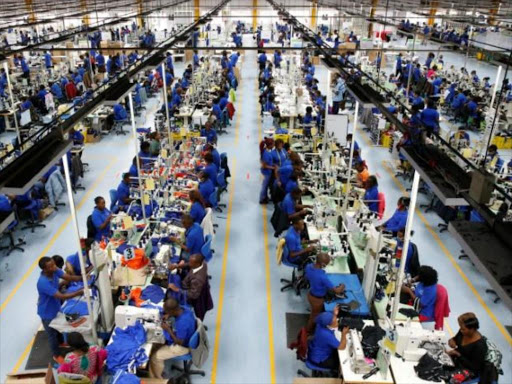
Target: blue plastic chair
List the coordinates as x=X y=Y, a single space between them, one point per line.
x=221 y=181
x=113 y=199
x=206 y=249
x=316 y=370
x=186 y=371
x=294 y=282
x=213 y=198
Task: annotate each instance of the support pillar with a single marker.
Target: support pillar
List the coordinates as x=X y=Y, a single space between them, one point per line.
x=254 y=15
x=197 y=10
x=83 y=7
x=314 y=12
x=372 y=15
x=140 y=10
x=493 y=12
x=432 y=13
x=30 y=8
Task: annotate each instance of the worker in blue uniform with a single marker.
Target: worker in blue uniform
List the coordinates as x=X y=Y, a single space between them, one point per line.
x=208 y=132
x=177 y=336
x=120 y=112
x=50 y=298
x=296 y=253
x=371 y=195
x=430 y=117
x=206 y=187
x=291 y=207
x=267 y=169
x=399 y=218
x=197 y=211
x=194 y=238
x=101 y=218
x=210 y=168
x=48 y=61
x=123 y=193
x=25 y=68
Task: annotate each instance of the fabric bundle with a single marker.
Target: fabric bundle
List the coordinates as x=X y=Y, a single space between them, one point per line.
x=126 y=352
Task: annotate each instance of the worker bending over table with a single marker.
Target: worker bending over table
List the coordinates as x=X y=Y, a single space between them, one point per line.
x=294 y=244
x=194 y=238
x=177 y=337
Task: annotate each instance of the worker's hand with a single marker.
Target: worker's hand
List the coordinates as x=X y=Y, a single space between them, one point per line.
x=174 y=239
x=172 y=267
x=339 y=289
x=453 y=353
x=310 y=248
x=345 y=330
x=181 y=264
x=336 y=310
x=173 y=288
x=314 y=241
x=452 y=343
x=165 y=327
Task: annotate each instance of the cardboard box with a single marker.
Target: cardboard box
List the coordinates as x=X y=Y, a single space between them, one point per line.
x=153 y=381
x=45 y=212
x=89 y=138
x=36 y=376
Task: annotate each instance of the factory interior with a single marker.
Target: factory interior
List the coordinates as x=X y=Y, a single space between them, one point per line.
x=255 y=191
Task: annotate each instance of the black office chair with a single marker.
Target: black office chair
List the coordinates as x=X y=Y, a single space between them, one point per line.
x=31 y=222
x=13 y=246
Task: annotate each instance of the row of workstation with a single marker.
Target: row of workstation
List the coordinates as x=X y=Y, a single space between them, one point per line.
x=359 y=253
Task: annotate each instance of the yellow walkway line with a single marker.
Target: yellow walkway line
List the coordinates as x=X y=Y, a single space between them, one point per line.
x=271 y=354
x=56 y=236
x=450 y=257
x=23 y=356
x=222 y=287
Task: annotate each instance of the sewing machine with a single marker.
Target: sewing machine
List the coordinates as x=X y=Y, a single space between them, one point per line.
x=149 y=317
x=409 y=340
x=357 y=359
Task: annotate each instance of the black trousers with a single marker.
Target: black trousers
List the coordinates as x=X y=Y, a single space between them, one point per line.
x=332 y=362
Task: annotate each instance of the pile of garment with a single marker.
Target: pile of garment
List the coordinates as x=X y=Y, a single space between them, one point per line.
x=126 y=351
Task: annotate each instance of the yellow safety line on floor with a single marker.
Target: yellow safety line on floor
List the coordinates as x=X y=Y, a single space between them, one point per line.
x=268 y=287
x=220 y=302
x=28 y=348
x=56 y=235
x=448 y=254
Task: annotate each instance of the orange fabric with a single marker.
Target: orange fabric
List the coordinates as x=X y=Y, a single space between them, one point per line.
x=139 y=261
x=135 y=295
x=363 y=176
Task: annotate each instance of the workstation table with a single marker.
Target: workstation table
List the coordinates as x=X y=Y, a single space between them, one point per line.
x=353 y=291
x=381 y=305
x=491 y=256
x=350 y=377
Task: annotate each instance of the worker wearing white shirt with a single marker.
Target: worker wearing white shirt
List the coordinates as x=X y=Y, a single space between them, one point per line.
x=338 y=94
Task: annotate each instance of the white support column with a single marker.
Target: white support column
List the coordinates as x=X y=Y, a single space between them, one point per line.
x=407 y=238
x=495 y=88
x=134 y=131
x=166 y=106
x=79 y=248
x=9 y=85
x=350 y=160
x=410 y=69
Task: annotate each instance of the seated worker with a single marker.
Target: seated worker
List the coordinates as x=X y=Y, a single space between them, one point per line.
x=197 y=211
x=210 y=147
x=26 y=104
x=133 y=171
x=308 y=120
x=425 y=291
x=145 y=157
x=349 y=143
x=460 y=138
x=57 y=92
x=279 y=154
x=469 y=346
x=206 y=187
x=323 y=349
x=177 y=337
x=371 y=195
x=417 y=100
x=194 y=238
x=101 y=218
x=362 y=174
x=209 y=133
x=76 y=136
x=50 y=298
x=73 y=261
x=430 y=117
x=293 y=181
x=216 y=111
x=412 y=263
x=123 y=193
x=493 y=161
x=319 y=286
x=195 y=285
x=83 y=359
x=119 y=112
x=399 y=218
x=154 y=145
x=210 y=169
x=296 y=253
x=291 y=207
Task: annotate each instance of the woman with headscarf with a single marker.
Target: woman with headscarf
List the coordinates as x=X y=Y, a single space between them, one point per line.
x=84 y=359
x=323 y=349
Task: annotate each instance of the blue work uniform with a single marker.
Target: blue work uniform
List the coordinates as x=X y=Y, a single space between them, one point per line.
x=216 y=158
x=123 y=192
x=430 y=117
x=293 y=242
x=197 y=212
x=427 y=296
x=288 y=204
x=211 y=170
x=397 y=221
x=57 y=91
x=75 y=263
x=98 y=218
x=278 y=157
x=211 y=135
x=120 y=112
x=133 y=171
x=372 y=195
x=24 y=66
x=290 y=186
x=216 y=111
x=100 y=60
x=184 y=328
x=194 y=239
x=48 y=60
x=206 y=188
x=48 y=306
x=318 y=281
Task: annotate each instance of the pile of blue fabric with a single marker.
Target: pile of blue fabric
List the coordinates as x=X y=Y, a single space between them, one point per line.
x=75 y=307
x=122 y=377
x=126 y=352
